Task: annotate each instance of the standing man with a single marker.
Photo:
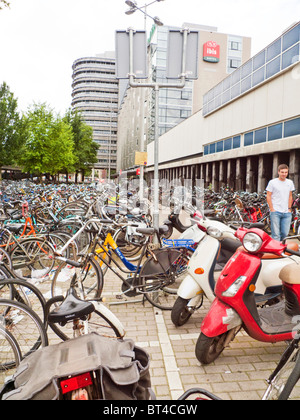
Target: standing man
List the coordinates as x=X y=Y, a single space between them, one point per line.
x=280 y=200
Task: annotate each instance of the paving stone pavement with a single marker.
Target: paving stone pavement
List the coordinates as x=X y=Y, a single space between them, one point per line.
x=240 y=373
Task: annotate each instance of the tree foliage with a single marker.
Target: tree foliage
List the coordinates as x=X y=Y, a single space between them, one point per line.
x=4 y=3
x=41 y=142
x=49 y=146
x=10 y=127
x=85 y=148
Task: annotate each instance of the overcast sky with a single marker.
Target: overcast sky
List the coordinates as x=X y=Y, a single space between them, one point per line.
x=40 y=39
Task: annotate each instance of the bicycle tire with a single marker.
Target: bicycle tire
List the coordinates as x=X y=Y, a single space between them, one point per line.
x=24 y=324
x=130 y=251
x=26 y=293
x=32 y=255
x=160 y=288
x=10 y=354
x=292 y=380
x=64 y=274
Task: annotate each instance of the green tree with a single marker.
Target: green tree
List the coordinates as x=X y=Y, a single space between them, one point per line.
x=85 y=148
x=49 y=142
x=4 y=3
x=10 y=127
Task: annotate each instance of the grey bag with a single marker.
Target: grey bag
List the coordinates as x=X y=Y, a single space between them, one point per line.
x=119 y=368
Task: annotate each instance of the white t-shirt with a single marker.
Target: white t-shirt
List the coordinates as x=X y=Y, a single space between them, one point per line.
x=280 y=193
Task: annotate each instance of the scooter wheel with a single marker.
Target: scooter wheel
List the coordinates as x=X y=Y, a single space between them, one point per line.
x=180 y=313
x=208 y=349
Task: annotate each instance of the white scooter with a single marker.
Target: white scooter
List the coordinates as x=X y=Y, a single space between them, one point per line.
x=215 y=248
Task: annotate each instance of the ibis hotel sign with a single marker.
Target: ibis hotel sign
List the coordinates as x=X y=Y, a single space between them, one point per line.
x=211 y=52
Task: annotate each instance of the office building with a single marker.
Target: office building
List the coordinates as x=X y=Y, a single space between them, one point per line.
x=95 y=95
x=224 y=53
x=249 y=124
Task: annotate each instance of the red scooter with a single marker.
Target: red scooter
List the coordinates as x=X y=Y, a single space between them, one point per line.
x=235 y=304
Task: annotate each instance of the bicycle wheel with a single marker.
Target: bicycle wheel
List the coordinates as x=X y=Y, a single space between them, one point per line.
x=24 y=324
x=283 y=383
x=32 y=257
x=130 y=251
x=10 y=355
x=102 y=321
x=89 y=280
x=161 y=277
x=26 y=293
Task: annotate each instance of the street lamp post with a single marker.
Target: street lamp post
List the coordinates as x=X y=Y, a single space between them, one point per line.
x=134 y=7
x=157 y=86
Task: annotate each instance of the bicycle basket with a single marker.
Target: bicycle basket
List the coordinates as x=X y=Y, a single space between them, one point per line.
x=121 y=370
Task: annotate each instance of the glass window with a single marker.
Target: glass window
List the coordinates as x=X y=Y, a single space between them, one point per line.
x=275 y=132
x=234 y=63
x=290 y=56
x=291 y=37
x=236 y=76
x=226 y=83
x=259 y=60
x=218 y=101
x=246 y=69
x=260 y=136
x=258 y=76
x=228 y=144
x=273 y=67
x=234 y=46
x=236 y=142
x=274 y=49
x=248 y=141
x=246 y=84
x=235 y=91
x=226 y=97
x=292 y=128
x=212 y=148
x=206 y=150
x=220 y=146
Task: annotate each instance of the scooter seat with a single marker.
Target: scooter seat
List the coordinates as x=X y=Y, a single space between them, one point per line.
x=293 y=246
x=290 y=274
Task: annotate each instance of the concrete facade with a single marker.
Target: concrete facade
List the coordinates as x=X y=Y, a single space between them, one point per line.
x=241 y=142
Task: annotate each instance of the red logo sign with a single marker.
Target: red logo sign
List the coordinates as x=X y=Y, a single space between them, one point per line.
x=211 y=52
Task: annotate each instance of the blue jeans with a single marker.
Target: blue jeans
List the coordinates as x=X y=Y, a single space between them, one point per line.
x=280 y=225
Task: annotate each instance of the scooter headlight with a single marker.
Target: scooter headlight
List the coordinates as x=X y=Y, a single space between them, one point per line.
x=214 y=232
x=252 y=242
x=235 y=287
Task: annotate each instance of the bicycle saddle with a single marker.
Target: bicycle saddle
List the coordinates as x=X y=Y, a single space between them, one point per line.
x=71 y=308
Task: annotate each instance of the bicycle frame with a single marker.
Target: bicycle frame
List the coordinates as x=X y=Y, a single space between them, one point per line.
x=104 y=250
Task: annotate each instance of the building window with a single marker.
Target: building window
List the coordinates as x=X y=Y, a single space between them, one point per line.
x=292 y=128
x=273 y=67
x=212 y=148
x=228 y=144
x=248 y=140
x=291 y=38
x=235 y=46
x=260 y=136
x=236 y=142
x=275 y=132
x=234 y=63
x=220 y=146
